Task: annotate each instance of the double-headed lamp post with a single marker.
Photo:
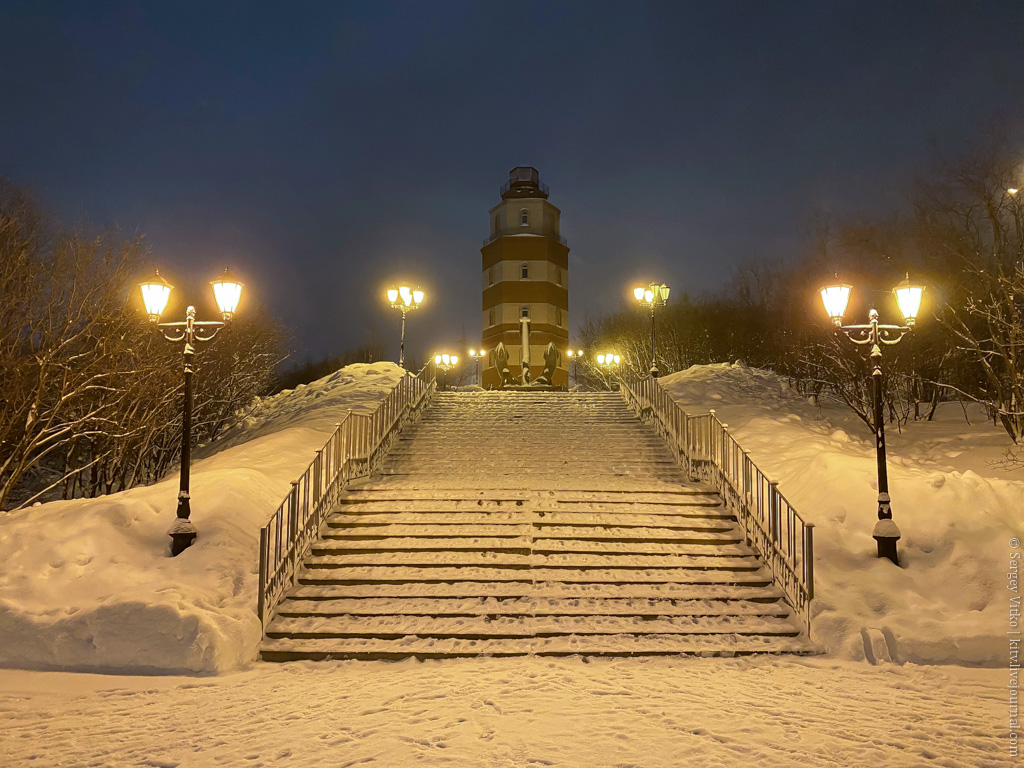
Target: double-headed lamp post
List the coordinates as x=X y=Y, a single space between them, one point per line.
x=610 y=363
x=574 y=356
x=445 y=363
x=405 y=299
x=652 y=296
x=155 y=292
x=835 y=297
x=478 y=355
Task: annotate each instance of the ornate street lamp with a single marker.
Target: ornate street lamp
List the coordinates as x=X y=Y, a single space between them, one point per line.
x=610 y=363
x=155 y=293
x=405 y=299
x=574 y=356
x=478 y=355
x=445 y=363
x=652 y=296
x=908 y=295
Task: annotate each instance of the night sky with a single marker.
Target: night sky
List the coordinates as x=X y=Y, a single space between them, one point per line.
x=324 y=150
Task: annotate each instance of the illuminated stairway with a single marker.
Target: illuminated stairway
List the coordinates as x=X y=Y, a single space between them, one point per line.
x=517 y=523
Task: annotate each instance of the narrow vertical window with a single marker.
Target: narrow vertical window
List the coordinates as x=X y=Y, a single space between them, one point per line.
x=524 y=271
x=524 y=218
x=490 y=317
x=558 y=318
x=490 y=278
x=524 y=311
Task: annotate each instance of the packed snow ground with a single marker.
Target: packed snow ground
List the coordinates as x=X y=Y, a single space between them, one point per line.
x=88 y=585
x=957 y=508
x=505 y=713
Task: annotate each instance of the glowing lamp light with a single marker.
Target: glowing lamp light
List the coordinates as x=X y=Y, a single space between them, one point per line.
x=437 y=359
x=392 y=295
x=648 y=295
x=579 y=353
x=155 y=293
x=417 y=296
x=638 y=293
x=600 y=359
x=1013 y=190
x=908 y=297
x=483 y=353
x=835 y=298
x=227 y=291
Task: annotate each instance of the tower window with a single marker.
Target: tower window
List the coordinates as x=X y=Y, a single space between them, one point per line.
x=490 y=317
x=490 y=278
x=558 y=318
x=524 y=218
x=524 y=311
x=524 y=271
x=558 y=277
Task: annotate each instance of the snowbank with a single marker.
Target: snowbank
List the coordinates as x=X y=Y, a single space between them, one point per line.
x=957 y=510
x=88 y=585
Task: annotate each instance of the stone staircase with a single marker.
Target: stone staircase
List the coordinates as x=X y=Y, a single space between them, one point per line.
x=513 y=523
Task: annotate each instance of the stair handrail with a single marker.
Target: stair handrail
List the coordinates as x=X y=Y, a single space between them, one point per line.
x=355 y=449
x=709 y=453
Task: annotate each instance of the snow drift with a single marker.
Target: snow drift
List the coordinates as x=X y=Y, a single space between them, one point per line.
x=88 y=585
x=956 y=507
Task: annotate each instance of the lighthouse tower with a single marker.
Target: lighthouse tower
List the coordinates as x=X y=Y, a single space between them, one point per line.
x=525 y=274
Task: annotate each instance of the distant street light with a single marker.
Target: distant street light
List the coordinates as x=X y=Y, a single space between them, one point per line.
x=574 y=357
x=908 y=295
x=652 y=296
x=445 y=363
x=405 y=299
x=155 y=293
x=478 y=355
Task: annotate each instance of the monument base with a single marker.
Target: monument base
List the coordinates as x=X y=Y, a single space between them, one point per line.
x=532 y=388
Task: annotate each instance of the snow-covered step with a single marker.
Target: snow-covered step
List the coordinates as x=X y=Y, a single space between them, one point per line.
x=521 y=606
x=442 y=573
x=547 y=590
x=483 y=627
x=291 y=649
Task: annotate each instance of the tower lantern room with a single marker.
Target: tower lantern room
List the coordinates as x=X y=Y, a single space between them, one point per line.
x=525 y=274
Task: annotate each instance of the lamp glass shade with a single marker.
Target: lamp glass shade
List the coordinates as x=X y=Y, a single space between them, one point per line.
x=600 y=359
x=835 y=298
x=664 y=292
x=227 y=291
x=617 y=358
x=437 y=359
x=908 y=297
x=446 y=359
x=455 y=359
x=638 y=293
x=417 y=296
x=648 y=295
x=483 y=353
x=155 y=293
x=392 y=295
x=579 y=353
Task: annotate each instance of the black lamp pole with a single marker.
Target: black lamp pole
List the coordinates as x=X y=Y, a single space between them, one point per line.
x=876 y=335
x=191 y=332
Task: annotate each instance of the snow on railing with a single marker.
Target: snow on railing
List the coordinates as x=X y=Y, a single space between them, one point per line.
x=356 y=448
x=705 y=449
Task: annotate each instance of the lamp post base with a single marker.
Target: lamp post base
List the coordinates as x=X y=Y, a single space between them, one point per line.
x=887 y=533
x=182 y=534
